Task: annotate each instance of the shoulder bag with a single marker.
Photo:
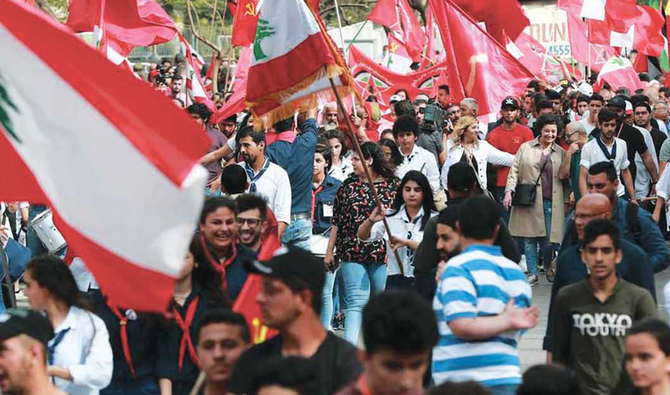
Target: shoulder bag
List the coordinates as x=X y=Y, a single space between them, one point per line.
x=524 y=194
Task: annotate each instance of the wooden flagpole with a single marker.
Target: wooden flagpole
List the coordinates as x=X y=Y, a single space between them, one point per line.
x=371 y=181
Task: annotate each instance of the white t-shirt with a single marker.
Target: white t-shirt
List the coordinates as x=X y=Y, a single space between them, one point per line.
x=275 y=187
x=592 y=154
x=585 y=122
x=643 y=178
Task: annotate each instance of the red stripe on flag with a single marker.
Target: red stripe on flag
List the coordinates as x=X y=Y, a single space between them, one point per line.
x=123 y=100
x=292 y=68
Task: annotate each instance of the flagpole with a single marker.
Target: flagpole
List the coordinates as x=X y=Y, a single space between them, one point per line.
x=356 y=35
x=339 y=24
x=357 y=147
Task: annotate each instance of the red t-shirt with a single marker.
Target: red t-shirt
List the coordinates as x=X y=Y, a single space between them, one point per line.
x=508 y=141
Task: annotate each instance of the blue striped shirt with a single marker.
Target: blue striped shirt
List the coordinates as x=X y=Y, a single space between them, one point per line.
x=478 y=283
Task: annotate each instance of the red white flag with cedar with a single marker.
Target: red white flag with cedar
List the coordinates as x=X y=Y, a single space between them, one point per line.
x=293 y=59
x=479 y=66
x=93 y=149
x=398 y=16
x=618 y=72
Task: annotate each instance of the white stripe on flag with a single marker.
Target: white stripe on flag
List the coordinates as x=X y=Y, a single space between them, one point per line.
x=593 y=9
x=623 y=39
x=109 y=182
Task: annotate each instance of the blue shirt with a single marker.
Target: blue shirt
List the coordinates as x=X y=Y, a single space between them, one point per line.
x=651 y=240
x=323 y=205
x=634 y=268
x=297 y=159
x=478 y=283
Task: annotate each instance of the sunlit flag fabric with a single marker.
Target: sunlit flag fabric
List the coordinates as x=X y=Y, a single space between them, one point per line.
x=398 y=59
x=293 y=57
x=115 y=160
x=618 y=72
x=399 y=18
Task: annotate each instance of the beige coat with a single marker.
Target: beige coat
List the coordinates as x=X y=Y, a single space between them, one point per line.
x=529 y=221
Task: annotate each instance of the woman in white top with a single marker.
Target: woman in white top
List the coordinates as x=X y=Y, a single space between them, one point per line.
x=341 y=166
x=79 y=357
x=412 y=208
x=464 y=146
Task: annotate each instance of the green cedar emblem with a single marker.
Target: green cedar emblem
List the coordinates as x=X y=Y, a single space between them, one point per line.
x=263 y=31
x=6 y=104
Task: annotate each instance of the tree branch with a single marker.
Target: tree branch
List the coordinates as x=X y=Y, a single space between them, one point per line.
x=195 y=33
x=332 y=8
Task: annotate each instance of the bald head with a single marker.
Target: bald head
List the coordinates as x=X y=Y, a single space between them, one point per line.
x=590 y=207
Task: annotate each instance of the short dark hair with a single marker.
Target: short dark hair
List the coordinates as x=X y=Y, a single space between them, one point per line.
x=232 y=118
x=214 y=203
x=596 y=97
x=200 y=110
x=233 y=179
x=549 y=380
x=177 y=77
x=257 y=136
x=544 y=104
x=324 y=150
x=404 y=108
x=405 y=124
x=642 y=104
x=665 y=90
x=461 y=177
x=296 y=373
x=535 y=85
x=225 y=316
x=606 y=167
x=658 y=329
x=552 y=94
x=478 y=218
x=52 y=273
x=460 y=388
x=283 y=125
x=250 y=201
x=444 y=88
x=448 y=216
x=602 y=227
x=606 y=115
x=400 y=320
x=582 y=99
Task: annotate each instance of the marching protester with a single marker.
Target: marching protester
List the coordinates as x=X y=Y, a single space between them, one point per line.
x=406 y=132
x=577 y=137
x=411 y=210
x=201 y=114
x=197 y=290
x=591 y=317
x=391 y=152
x=536 y=195
x=251 y=218
x=222 y=337
x=24 y=338
x=290 y=302
x=596 y=102
x=79 y=355
x=362 y=265
x=341 y=166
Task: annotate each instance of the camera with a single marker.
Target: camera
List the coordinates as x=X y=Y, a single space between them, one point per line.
x=434 y=118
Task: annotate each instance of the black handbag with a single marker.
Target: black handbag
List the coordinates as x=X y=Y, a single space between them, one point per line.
x=524 y=194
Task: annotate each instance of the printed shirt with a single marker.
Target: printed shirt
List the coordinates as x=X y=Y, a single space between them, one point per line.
x=344 y=170
x=478 y=283
x=353 y=205
x=508 y=141
x=401 y=227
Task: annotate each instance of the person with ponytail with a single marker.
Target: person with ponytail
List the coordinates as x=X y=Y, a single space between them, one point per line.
x=362 y=265
x=79 y=357
x=197 y=290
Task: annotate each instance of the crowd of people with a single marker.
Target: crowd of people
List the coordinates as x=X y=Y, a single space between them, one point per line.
x=408 y=260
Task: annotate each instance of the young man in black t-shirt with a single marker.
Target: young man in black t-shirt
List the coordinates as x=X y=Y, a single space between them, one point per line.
x=290 y=301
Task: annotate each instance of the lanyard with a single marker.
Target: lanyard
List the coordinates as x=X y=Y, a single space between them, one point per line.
x=605 y=151
x=51 y=350
x=314 y=193
x=185 y=326
x=123 y=333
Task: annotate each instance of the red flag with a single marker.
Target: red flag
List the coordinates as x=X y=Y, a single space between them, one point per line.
x=429 y=59
x=245 y=23
x=366 y=71
x=235 y=103
x=129 y=22
x=502 y=17
x=480 y=67
x=442 y=79
x=644 y=34
x=398 y=16
x=579 y=44
x=641 y=64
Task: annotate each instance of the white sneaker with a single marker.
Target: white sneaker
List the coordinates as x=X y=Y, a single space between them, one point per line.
x=523 y=264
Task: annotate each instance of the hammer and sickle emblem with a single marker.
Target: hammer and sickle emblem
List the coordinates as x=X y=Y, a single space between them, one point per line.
x=393 y=47
x=260 y=331
x=249 y=9
x=479 y=58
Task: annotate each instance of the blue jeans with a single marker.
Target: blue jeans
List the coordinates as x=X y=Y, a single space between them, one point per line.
x=531 y=245
x=33 y=242
x=504 y=389
x=328 y=300
x=299 y=234
x=147 y=386
x=359 y=280
x=500 y=192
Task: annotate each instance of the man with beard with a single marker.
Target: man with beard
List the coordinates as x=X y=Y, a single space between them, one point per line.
x=443 y=96
x=508 y=137
x=330 y=116
x=251 y=220
x=265 y=178
x=290 y=302
x=24 y=335
x=222 y=338
x=177 y=92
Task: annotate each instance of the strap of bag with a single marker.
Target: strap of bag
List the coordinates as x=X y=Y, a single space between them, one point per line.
x=537 y=182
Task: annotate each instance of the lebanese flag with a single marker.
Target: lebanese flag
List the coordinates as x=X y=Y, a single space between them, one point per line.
x=235 y=103
x=93 y=149
x=645 y=35
x=502 y=17
x=479 y=66
x=245 y=22
x=594 y=57
x=293 y=59
x=618 y=72
x=130 y=22
x=194 y=83
x=398 y=16
x=398 y=59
